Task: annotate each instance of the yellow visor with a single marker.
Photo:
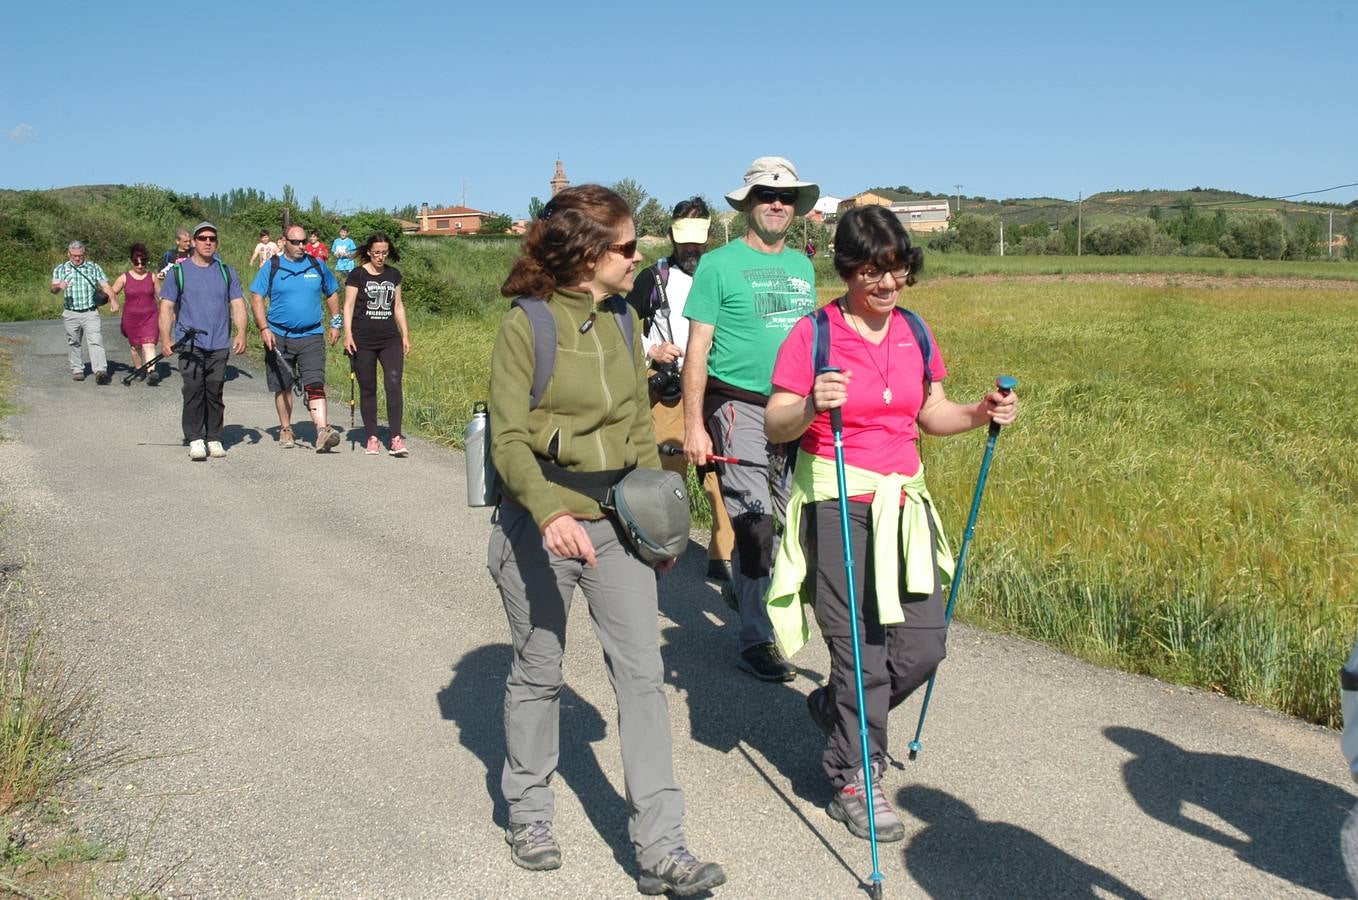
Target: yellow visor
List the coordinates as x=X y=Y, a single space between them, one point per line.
x=690 y=231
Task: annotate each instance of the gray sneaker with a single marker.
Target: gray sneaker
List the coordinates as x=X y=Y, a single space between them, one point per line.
x=532 y=846
x=850 y=807
x=327 y=439
x=680 y=873
x=215 y=449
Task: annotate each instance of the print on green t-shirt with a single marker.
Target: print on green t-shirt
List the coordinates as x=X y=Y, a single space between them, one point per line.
x=751 y=300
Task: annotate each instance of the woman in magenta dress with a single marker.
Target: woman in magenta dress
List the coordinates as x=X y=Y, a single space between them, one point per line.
x=141 y=324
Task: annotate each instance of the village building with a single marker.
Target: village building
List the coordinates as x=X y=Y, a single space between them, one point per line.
x=926 y=215
x=450 y=220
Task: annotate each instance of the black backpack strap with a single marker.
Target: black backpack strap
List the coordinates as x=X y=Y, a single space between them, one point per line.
x=274 y=263
x=820 y=354
x=544 y=344
x=594 y=485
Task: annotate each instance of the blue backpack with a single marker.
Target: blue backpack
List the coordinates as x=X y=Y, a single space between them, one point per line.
x=820 y=321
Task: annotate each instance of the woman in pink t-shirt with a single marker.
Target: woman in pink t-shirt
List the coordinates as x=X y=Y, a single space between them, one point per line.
x=885 y=400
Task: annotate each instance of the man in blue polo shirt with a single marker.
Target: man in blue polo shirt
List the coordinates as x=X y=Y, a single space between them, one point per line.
x=200 y=302
x=291 y=329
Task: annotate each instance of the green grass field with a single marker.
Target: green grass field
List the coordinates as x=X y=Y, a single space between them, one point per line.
x=1179 y=497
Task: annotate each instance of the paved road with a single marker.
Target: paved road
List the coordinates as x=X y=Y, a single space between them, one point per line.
x=314 y=646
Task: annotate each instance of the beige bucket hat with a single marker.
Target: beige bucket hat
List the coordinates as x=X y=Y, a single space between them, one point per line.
x=775 y=172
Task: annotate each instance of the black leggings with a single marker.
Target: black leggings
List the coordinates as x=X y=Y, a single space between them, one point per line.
x=391 y=356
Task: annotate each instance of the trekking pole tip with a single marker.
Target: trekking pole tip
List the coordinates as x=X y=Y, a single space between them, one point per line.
x=915 y=747
x=875 y=890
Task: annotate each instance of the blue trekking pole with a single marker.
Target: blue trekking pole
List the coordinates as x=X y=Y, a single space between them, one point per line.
x=837 y=426
x=1005 y=383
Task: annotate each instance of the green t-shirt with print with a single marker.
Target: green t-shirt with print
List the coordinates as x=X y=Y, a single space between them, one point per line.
x=752 y=300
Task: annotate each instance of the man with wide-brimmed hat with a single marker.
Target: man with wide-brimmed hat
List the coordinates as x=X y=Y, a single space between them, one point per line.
x=745 y=298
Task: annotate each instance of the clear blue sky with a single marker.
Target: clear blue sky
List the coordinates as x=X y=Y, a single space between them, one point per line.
x=383 y=104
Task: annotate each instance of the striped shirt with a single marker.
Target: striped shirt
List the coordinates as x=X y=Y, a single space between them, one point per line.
x=80 y=284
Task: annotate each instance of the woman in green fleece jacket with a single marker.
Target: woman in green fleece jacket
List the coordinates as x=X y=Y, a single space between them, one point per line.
x=593 y=416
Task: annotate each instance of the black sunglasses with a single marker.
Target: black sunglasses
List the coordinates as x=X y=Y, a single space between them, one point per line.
x=296 y=240
x=212 y=238
x=768 y=195
x=628 y=249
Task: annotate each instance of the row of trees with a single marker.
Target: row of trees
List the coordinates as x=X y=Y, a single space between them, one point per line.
x=1187 y=232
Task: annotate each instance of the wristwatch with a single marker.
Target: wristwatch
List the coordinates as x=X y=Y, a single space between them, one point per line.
x=336 y=321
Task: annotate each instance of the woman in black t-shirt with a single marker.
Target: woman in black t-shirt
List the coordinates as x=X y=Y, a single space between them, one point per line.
x=375 y=331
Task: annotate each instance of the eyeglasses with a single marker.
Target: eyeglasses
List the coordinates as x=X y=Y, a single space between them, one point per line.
x=628 y=249
x=873 y=277
x=295 y=240
x=139 y=262
x=378 y=252
x=768 y=195
x=207 y=238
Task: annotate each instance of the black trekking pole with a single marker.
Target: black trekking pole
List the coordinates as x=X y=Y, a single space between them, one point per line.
x=190 y=334
x=351 y=400
x=1005 y=383
x=837 y=429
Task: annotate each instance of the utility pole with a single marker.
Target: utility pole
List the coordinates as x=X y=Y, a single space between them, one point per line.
x=1080 y=226
x=1001 y=218
x=959 y=198
x=1329 y=242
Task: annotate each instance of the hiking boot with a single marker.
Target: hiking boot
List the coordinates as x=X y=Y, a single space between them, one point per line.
x=285 y=439
x=327 y=439
x=728 y=596
x=152 y=378
x=215 y=449
x=680 y=873
x=373 y=447
x=532 y=846
x=398 y=447
x=197 y=450
x=850 y=807
x=764 y=662
x=815 y=705
x=77 y=376
x=719 y=569
x=101 y=378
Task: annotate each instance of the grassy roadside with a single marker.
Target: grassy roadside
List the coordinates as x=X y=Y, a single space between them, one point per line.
x=49 y=744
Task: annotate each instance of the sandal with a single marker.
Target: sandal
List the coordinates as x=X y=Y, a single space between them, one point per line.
x=285 y=439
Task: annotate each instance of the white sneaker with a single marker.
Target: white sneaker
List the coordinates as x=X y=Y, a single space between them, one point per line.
x=197 y=450
x=215 y=449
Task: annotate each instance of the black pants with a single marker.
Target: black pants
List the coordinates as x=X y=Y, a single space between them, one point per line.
x=366 y=358
x=896 y=659
x=203 y=373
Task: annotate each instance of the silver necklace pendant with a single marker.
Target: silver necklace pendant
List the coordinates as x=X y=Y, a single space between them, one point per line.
x=886 y=396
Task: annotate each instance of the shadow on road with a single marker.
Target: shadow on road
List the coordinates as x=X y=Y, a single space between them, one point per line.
x=239 y=434
x=474 y=701
x=726 y=706
x=1282 y=822
x=959 y=854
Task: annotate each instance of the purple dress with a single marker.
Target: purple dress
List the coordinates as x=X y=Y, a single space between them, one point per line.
x=141 y=323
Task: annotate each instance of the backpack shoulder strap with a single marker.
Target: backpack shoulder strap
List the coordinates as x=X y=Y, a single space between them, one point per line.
x=544 y=344
x=274 y=263
x=623 y=313
x=924 y=340
x=820 y=356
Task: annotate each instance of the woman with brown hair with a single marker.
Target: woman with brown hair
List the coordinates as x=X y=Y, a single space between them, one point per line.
x=591 y=421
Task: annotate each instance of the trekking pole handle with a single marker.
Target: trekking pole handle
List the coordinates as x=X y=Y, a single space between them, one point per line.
x=1004 y=384
x=671 y=450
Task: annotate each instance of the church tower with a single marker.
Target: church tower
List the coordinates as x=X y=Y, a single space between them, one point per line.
x=559 y=181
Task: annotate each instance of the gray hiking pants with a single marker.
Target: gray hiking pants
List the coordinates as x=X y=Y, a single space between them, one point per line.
x=896 y=659
x=537 y=587
x=84 y=327
x=753 y=499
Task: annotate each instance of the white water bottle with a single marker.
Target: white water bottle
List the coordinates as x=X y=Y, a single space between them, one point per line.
x=482 y=482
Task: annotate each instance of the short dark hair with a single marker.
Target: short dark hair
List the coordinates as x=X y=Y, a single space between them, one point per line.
x=694 y=207
x=138 y=251
x=378 y=237
x=872 y=235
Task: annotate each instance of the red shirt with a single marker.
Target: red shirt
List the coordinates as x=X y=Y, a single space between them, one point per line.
x=878 y=436
x=317 y=250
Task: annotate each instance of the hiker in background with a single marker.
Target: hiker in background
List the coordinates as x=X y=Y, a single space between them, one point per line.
x=300 y=290
x=658 y=296
x=343 y=249
x=178 y=253
x=200 y=304
x=141 y=314
x=81 y=283
x=592 y=418
x=265 y=250
x=375 y=331
x=887 y=397
x=746 y=296
x=315 y=247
